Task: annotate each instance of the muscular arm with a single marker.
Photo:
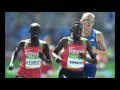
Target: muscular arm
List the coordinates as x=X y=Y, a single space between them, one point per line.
x=47 y=54
x=15 y=54
x=93 y=57
x=101 y=43
x=58 y=48
x=60 y=45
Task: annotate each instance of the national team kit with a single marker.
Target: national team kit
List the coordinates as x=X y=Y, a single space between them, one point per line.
x=72 y=64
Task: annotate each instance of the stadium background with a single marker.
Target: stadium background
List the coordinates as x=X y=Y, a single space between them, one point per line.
x=56 y=25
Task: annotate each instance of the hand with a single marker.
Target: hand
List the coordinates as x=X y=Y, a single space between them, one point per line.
x=81 y=56
x=41 y=55
x=48 y=61
x=58 y=60
x=11 y=67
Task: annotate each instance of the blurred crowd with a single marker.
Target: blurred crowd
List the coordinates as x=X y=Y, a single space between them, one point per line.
x=54 y=25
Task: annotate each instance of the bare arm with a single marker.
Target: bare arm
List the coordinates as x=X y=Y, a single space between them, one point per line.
x=101 y=43
x=93 y=57
x=15 y=54
x=58 y=48
x=47 y=54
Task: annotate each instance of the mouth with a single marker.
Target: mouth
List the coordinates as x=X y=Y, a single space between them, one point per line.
x=88 y=25
x=35 y=35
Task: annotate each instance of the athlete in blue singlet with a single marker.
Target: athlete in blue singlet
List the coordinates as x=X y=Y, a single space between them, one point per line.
x=97 y=40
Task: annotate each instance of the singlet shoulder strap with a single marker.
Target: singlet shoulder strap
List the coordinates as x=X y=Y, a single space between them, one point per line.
x=41 y=43
x=84 y=40
x=26 y=42
x=70 y=39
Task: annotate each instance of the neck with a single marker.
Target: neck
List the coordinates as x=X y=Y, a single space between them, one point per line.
x=34 y=41
x=76 y=40
x=87 y=32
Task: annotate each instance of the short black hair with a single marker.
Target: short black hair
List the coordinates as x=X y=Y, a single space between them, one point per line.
x=35 y=26
x=76 y=23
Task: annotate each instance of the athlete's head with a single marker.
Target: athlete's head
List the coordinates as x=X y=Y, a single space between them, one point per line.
x=76 y=30
x=34 y=30
x=87 y=20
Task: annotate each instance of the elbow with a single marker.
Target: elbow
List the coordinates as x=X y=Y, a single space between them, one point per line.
x=56 y=52
x=15 y=53
x=94 y=62
x=49 y=62
x=105 y=54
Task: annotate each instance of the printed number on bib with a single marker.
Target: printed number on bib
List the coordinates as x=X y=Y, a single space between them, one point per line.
x=33 y=63
x=74 y=63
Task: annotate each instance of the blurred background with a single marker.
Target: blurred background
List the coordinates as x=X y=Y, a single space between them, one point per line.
x=56 y=25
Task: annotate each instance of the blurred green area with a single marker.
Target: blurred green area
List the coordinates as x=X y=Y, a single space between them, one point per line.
x=108 y=72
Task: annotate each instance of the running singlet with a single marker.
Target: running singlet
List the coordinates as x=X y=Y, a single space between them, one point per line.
x=30 y=64
x=90 y=69
x=92 y=38
x=70 y=55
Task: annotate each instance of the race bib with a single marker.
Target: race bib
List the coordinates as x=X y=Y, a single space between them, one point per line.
x=33 y=63
x=74 y=62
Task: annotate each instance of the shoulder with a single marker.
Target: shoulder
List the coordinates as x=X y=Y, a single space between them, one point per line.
x=84 y=39
x=97 y=32
x=24 y=41
x=99 y=35
x=63 y=39
x=42 y=42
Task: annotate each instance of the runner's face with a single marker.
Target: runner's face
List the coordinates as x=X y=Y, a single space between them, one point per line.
x=87 y=22
x=35 y=32
x=77 y=31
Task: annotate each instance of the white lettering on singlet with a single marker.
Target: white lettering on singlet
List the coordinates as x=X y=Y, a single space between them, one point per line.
x=32 y=60
x=74 y=51
x=33 y=63
x=74 y=63
x=31 y=53
x=73 y=60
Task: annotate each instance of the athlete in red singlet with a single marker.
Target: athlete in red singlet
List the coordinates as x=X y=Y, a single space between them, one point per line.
x=34 y=51
x=73 y=53
x=48 y=70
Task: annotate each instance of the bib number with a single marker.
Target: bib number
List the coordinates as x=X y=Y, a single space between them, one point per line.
x=33 y=63
x=74 y=63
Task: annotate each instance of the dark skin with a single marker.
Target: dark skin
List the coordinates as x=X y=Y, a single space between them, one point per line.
x=34 y=31
x=77 y=31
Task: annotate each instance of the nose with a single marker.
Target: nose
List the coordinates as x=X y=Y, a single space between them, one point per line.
x=89 y=22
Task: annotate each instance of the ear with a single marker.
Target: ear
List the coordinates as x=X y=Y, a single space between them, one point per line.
x=29 y=31
x=81 y=21
x=71 y=29
x=39 y=31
